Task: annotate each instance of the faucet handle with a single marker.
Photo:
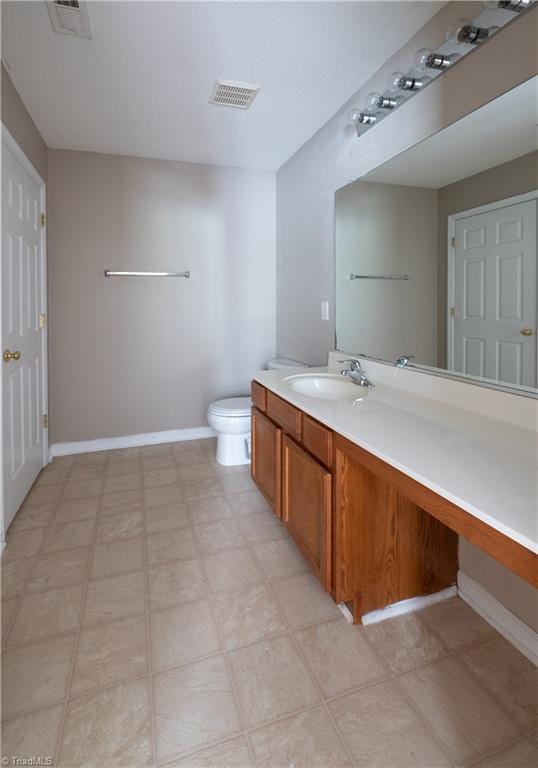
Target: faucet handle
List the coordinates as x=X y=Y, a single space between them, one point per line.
x=354 y=363
x=403 y=361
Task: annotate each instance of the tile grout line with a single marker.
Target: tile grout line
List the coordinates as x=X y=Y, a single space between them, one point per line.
x=489 y=693
x=322 y=701
x=76 y=640
x=298 y=650
x=355 y=689
x=62 y=700
x=149 y=666
x=36 y=557
x=395 y=678
x=39 y=550
x=497 y=751
x=227 y=661
x=449 y=653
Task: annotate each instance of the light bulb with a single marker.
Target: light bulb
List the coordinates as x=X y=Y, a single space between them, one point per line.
x=394 y=83
x=376 y=100
x=425 y=58
x=373 y=100
x=364 y=120
x=463 y=31
x=400 y=82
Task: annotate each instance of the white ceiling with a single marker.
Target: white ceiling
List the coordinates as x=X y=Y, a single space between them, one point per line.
x=498 y=132
x=141 y=85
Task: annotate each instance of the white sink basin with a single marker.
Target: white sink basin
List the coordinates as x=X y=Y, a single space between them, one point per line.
x=325 y=385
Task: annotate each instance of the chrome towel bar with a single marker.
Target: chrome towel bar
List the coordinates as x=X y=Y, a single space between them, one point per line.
x=113 y=273
x=378 y=277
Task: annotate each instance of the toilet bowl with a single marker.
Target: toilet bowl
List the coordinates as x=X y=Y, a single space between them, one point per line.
x=230 y=418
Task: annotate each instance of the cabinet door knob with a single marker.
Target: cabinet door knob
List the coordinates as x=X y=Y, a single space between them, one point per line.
x=526 y=331
x=11 y=355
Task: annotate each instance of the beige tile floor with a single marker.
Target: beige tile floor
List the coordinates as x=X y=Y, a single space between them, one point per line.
x=155 y=613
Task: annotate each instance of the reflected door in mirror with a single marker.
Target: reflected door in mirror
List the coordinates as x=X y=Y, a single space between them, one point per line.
x=495 y=294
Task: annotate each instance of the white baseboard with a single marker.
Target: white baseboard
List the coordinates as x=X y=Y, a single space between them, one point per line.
x=131 y=441
x=408 y=606
x=513 y=629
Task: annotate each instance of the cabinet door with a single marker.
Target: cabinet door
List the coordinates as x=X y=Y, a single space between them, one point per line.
x=386 y=548
x=266 y=464
x=306 y=507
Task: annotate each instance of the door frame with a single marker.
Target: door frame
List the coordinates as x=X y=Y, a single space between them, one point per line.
x=7 y=141
x=451 y=254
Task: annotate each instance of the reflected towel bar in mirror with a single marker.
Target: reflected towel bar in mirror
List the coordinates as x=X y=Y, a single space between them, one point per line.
x=378 y=277
x=111 y=273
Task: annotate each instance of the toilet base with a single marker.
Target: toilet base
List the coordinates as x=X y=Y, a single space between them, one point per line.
x=233 y=450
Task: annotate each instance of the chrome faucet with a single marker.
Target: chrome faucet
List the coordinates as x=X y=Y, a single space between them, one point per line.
x=356 y=373
x=403 y=361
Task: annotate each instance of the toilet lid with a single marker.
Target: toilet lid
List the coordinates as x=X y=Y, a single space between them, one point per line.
x=231 y=406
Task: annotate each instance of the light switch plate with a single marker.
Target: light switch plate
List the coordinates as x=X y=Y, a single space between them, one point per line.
x=324 y=310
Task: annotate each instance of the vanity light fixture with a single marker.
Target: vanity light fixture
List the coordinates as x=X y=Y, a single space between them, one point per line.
x=464 y=31
x=509 y=5
x=425 y=58
x=376 y=100
x=400 y=82
x=401 y=86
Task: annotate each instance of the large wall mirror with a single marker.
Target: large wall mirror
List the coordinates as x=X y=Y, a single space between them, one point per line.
x=436 y=250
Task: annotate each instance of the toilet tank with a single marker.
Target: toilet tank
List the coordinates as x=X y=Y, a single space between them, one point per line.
x=284 y=362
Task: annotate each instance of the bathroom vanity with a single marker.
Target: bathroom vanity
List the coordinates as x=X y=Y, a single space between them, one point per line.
x=373 y=534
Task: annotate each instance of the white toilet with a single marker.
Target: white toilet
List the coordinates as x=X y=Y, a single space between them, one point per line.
x=230 y=418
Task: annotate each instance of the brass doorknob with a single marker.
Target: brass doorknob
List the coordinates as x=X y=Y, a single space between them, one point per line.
x=526 y=331
x=11 y=355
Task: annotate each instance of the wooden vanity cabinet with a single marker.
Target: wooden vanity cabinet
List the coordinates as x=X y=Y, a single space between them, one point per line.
x=366 y=540
x=306 y=507
x=266 y=465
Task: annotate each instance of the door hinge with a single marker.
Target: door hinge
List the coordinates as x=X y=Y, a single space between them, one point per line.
x=453 y=242
x=42 y=321
x=45 y=421
x=42 y=219
x=452 y=311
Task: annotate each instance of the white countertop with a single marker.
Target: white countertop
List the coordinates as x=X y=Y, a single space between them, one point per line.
x=486 y=467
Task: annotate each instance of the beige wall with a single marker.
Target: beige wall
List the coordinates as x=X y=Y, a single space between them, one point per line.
x=509 y=589
x=141 y=355
x=17 y=120
x=333 y=157
x=386 y=229
x=502 y=181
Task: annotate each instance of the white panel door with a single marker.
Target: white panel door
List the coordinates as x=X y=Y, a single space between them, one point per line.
x=23 y=341
x=495 y=294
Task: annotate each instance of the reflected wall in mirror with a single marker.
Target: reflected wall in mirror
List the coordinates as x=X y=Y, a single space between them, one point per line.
x=436 y=249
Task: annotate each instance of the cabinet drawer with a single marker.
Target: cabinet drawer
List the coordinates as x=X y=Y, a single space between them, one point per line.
x=318 y=440
x=285 y=415
x=258 y=395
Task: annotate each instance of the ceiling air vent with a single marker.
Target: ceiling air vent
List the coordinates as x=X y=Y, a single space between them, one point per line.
x=69 y=17
x=228 y=93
